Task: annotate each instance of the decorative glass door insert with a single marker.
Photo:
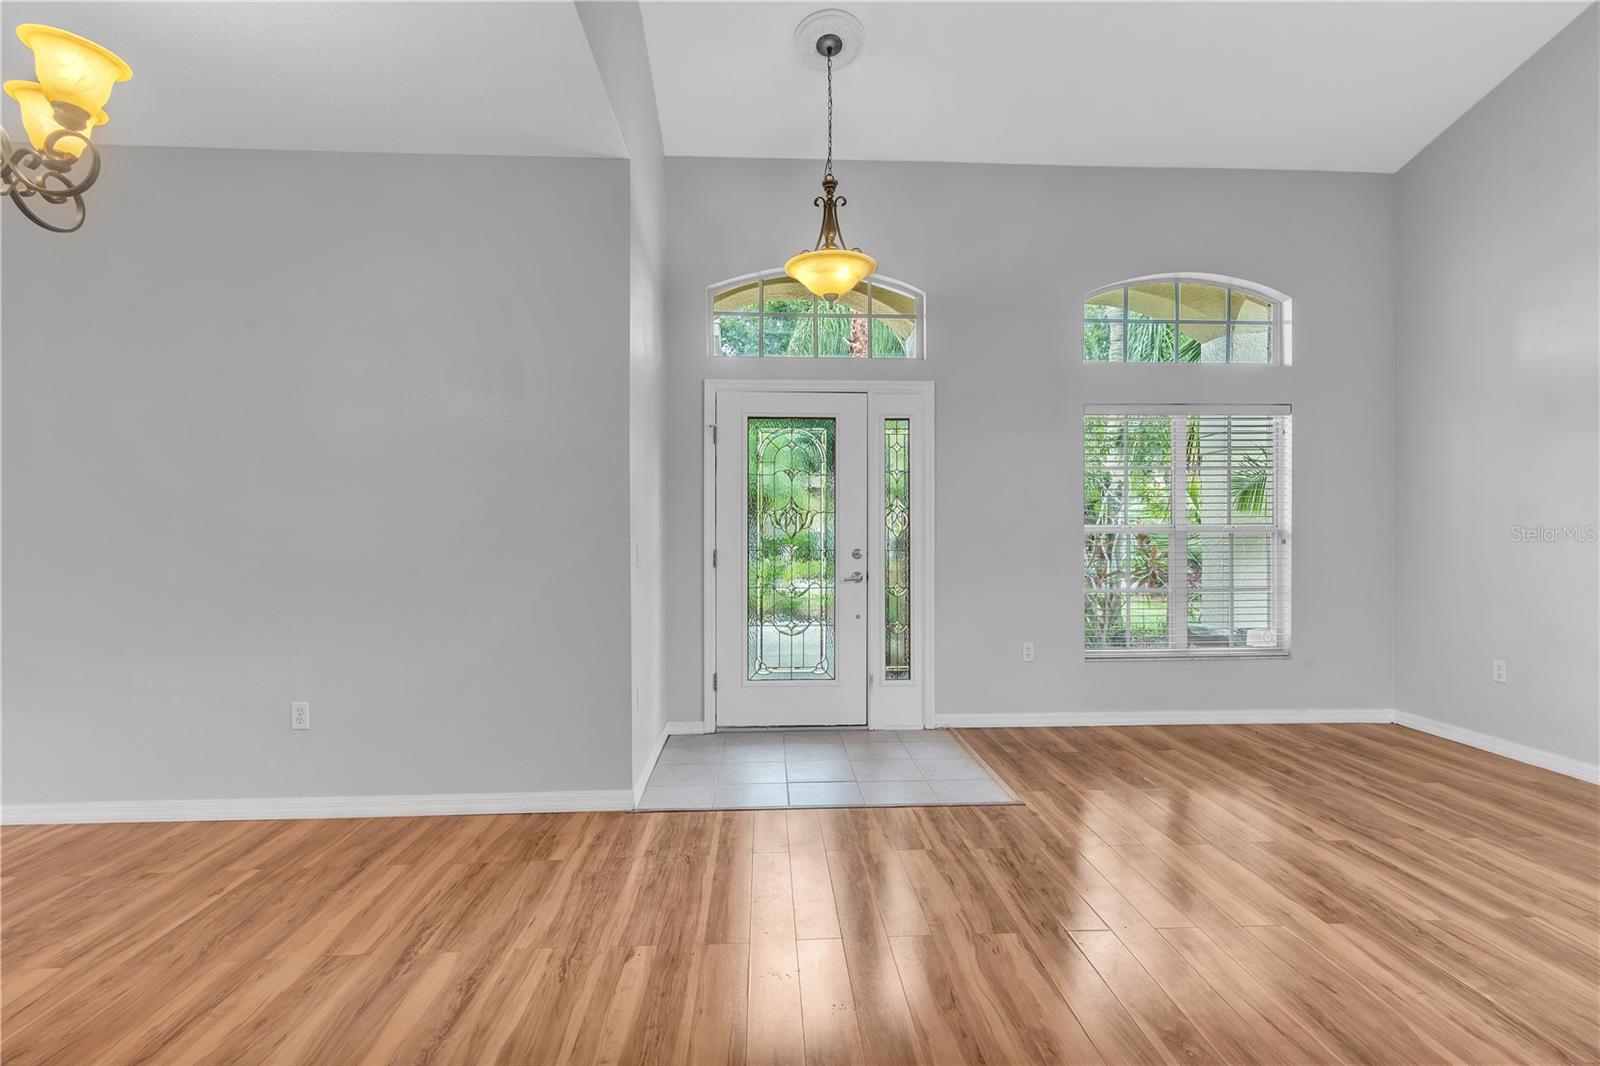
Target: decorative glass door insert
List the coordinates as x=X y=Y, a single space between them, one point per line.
x=794 y=563
x=790 y=543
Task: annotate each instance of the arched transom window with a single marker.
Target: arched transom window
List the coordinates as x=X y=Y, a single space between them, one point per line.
x=773 y=315
x=1185 y=318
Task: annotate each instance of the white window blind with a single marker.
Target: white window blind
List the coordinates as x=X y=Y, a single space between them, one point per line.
x=1186 y=531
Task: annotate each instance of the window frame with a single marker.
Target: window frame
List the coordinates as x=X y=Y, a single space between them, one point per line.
x=1178 y=526
x=918 y=318
x=1281 y=346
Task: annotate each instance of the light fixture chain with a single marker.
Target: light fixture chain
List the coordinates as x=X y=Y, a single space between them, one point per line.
x=827 y=170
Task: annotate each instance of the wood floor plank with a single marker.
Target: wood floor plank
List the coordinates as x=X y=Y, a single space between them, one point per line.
x=828 y=1007
x=1242 y=894
x=1162 y=1020
x=775 y=1028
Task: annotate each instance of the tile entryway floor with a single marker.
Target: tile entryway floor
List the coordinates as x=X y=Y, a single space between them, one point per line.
x=818 y=768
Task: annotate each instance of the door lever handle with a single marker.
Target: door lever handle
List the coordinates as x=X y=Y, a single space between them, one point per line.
x=856 y=577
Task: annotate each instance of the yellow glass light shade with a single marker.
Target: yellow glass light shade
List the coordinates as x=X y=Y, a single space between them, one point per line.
x=39 y=118
x=72 y=69
x=830 y=272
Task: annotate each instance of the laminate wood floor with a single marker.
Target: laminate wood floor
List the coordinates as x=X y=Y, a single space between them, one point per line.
x=1355 y=894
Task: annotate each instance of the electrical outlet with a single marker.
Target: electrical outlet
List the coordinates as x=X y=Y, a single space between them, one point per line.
x=1497 y=671
x=1027 y=651
x=299 y=715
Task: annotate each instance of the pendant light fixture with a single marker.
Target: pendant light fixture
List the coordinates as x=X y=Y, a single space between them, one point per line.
x=59 y=112
x=830 y=269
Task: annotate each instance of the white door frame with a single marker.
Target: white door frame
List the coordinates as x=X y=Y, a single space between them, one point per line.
x=891 y=704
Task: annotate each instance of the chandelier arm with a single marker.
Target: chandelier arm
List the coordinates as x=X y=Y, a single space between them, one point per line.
x=20 y=162
x=76 y=199
x=81 y=185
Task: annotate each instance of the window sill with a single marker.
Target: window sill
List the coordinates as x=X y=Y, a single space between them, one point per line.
x=1199 y=655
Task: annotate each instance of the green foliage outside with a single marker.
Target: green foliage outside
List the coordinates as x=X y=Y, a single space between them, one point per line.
x=1144 y=340
x=792 y=330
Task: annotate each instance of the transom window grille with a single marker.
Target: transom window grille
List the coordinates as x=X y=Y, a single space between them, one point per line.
x=1180 y=319
x=774 y=316
x=1208 y=486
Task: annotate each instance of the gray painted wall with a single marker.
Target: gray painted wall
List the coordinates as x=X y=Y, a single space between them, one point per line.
x=1498 y=371
x=616 y=37
x=307 y=426
x=1006 y=255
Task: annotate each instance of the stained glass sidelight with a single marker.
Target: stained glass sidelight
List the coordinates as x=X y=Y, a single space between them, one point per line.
x=790 y=541
x=897 y=549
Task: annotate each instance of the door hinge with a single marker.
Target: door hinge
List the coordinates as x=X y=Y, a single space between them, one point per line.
x=713 y=433
x=713 y=682
x=713 y=558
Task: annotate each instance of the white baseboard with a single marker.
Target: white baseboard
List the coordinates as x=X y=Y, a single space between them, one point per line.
x=1547 y=760
x=1069 y=718
x=650 y=764
x=677 y=729
x=229 y=810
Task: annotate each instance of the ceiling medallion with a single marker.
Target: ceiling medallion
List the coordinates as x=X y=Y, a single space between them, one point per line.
x=831 y=269
x=59 y=112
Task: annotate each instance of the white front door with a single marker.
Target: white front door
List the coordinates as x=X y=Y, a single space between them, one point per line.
x=792 y=574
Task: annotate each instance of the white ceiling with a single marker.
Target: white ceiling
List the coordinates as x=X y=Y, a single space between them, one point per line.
x=448 y=78
x=1298 y=86
x=1337 y=86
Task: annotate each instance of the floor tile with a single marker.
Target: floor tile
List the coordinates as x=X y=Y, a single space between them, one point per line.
x=697 y=740
x=753 y=736
x=887 y=770
x=985 y=791
x=691 y=749
x=897 y=792
x=685 y=773
x=812 y=751
x=752 y=795
x=677 y=797
x=768 y=750
x=875 y=752
x=825 y=794
x=878 y=736
x=816 y=768
x=931 y=740
x=751 y=773
x=951 y=770
x=820 y=770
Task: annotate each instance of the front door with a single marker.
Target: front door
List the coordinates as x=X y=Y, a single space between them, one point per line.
x=792 y=562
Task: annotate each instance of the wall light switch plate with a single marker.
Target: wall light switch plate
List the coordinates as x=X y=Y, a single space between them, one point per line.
x=1497 y=671
x=300 y=715
x=1027 y=651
